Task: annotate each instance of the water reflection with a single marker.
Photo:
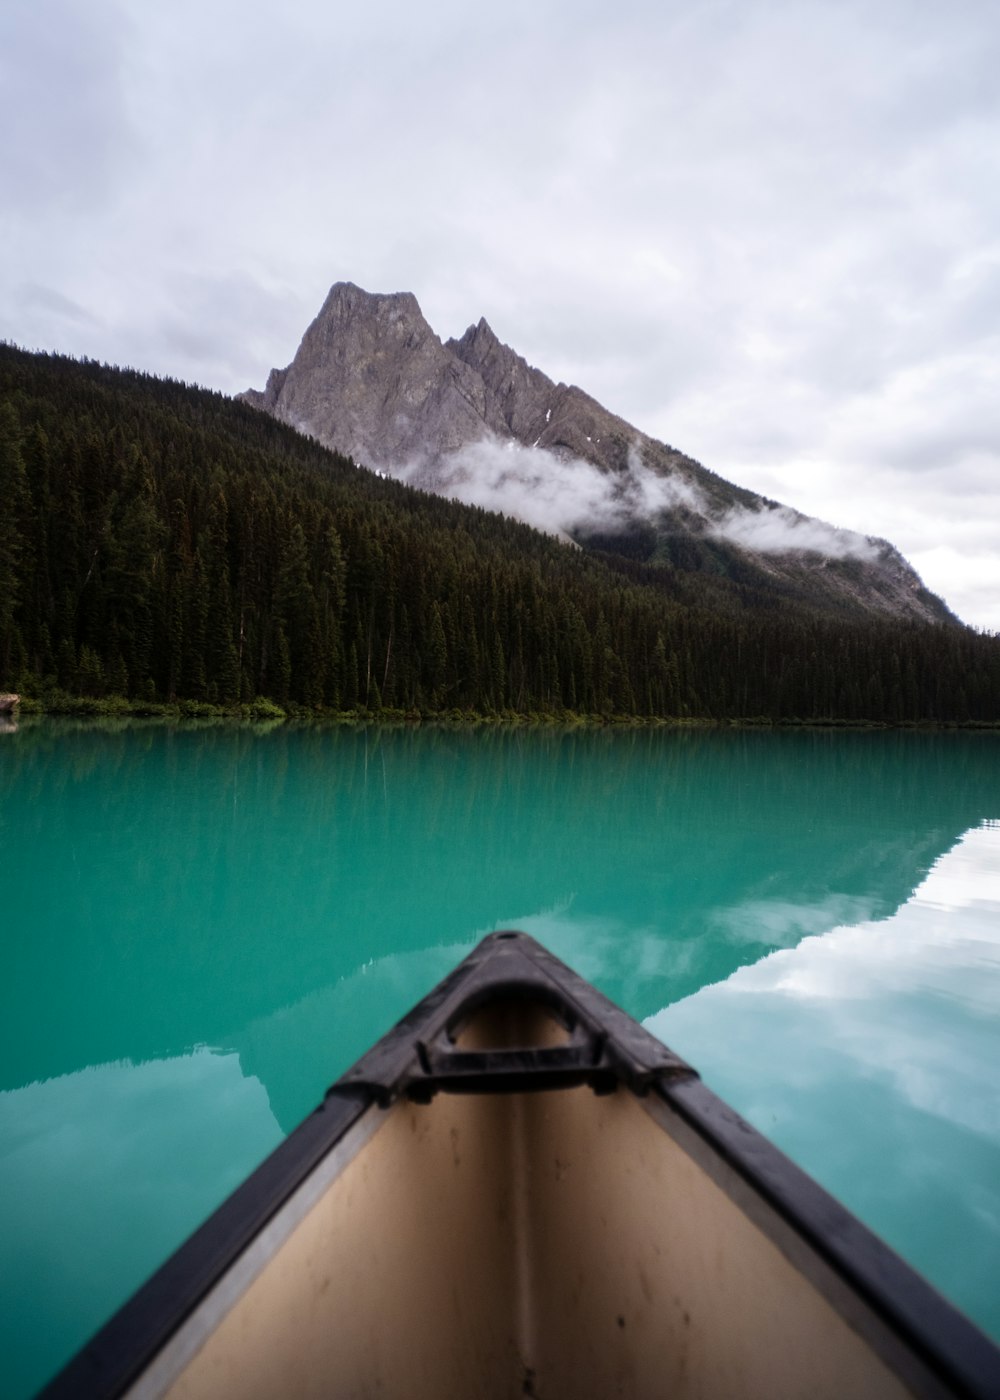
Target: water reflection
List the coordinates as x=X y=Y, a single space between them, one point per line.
x=297 y=1047
x=109 y=1168
x=896 y=1033
x=181 y=884
x=285 y=895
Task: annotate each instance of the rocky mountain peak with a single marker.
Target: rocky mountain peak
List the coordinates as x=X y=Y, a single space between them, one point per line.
x=471 y=418
x=478 y=342
x=372 y=380
x=394 y=312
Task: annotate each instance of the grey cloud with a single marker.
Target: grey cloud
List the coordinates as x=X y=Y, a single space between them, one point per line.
x=221 y=325
x=781 y=530
x=762 y=232
x=563 y=495
x=942 y=450
x=51 y=302
x=67 y=138
x=974 y=305
x=557 y=494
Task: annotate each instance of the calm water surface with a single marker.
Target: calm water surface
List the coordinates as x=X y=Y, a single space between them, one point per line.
x=201 y=927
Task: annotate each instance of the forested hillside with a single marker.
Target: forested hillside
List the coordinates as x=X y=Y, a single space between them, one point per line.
x=165 y=543
x=472 y=420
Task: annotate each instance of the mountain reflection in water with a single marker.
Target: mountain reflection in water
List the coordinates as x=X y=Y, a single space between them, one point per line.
x=869 y=1054
x=206 y=925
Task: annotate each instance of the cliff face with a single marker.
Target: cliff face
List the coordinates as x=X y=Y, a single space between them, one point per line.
x=372 y=380
x=470 y=418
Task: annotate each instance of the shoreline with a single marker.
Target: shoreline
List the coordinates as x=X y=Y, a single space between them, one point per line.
x=266 y=711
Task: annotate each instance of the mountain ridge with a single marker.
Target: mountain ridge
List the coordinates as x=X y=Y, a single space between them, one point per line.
x=470 y=418
x=166 y=545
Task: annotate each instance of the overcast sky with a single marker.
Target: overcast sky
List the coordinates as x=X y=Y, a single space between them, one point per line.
x=767 y=233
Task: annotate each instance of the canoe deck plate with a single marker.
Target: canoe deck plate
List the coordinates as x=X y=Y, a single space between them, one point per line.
x=605 y=1047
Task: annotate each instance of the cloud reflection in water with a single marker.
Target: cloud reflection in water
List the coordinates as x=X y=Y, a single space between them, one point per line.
x=112 y=1166
x=869 y=1054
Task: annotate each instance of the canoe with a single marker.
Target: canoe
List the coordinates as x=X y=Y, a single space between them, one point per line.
x=519 y=1192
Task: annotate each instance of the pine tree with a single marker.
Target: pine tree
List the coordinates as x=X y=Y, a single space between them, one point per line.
x=13 y=511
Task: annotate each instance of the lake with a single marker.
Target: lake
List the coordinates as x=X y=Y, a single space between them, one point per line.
x=203 y=925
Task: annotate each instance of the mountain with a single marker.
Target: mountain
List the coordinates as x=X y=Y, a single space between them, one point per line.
x=470 y=419
x=163 y=545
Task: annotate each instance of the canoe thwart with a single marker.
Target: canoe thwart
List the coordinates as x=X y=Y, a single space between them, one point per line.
x=599 y=1046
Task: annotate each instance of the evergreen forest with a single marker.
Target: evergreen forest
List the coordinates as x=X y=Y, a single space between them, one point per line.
x=166 y=544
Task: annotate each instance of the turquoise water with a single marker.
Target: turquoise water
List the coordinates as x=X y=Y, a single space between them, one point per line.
x=202 y=926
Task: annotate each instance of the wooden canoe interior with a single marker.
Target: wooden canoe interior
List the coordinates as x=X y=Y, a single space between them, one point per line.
x=549 y=1244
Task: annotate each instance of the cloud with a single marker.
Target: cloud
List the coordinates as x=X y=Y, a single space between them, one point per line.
x=913 y=458
x=557 y=494
x=49 y=302
x=784 y=923
x=780 y=530
x=972 y=579
x=923 y=956
x=196 y=303
x=894 y=1029
x=566 y=495
x=528 y=483
x=783 y=260
x=67 y=137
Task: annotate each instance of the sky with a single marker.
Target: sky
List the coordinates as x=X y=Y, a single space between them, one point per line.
x=765 y=233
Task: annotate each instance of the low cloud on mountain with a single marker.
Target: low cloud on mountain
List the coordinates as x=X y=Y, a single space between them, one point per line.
x=555 y=494
x=783 y=256
x=779 y=530
x=565 y=495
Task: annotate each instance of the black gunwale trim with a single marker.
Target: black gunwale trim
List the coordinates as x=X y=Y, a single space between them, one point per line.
x=929 y=1330
x=417 y=1059
x=121 y=1350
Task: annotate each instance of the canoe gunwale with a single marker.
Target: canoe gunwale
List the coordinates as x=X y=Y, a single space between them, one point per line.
x=233 y=1282
x=928 y=1343
x=118 y=1354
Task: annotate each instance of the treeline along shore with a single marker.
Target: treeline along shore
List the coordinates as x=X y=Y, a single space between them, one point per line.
x=162 y=543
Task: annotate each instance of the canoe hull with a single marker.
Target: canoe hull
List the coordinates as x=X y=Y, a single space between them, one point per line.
x=551 y=1242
